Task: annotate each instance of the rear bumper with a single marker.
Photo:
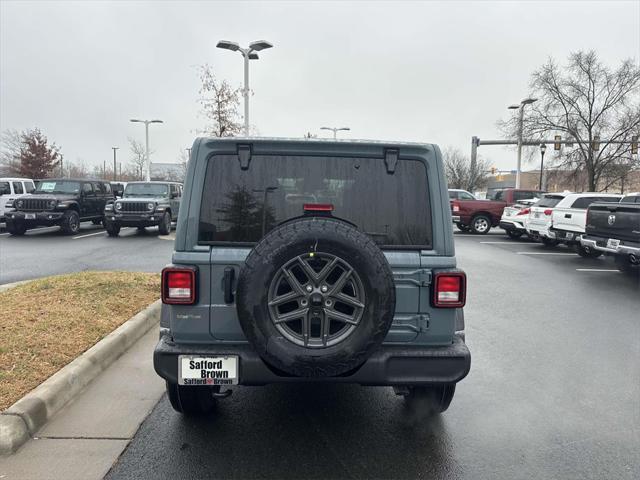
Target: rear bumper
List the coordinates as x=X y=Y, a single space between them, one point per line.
x=540 y=231
x=389 y=365
x=511 y=226
x=566 y=235
x=600 y=243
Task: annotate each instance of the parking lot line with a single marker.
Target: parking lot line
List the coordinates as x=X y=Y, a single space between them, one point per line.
x=596 y=270
x=89 y=235
x=509 y=243
x=547 y=253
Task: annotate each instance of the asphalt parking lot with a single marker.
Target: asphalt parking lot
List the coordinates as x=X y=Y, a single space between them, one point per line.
x=46 y=251
x=553 y=393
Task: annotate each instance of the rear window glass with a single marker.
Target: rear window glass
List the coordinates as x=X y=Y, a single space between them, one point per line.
x=242 y=205
x=631 y=199
x=584 y=202
x=548 y=201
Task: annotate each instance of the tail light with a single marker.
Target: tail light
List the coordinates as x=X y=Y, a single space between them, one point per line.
x=449 y=289
x=317 y=207
x=455 y=207
x=548 y=211
x=179 y=285
x=524 y=211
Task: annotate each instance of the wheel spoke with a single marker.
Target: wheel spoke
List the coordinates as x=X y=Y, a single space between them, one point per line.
x=287 y=297
x=354 y=302
x=339 y=285
x=328 y=268
x=343 y=317
x=309 y=272
x=287 y=317
x=293 y=282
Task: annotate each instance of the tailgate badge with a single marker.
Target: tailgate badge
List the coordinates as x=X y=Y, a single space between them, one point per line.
x=611 y=220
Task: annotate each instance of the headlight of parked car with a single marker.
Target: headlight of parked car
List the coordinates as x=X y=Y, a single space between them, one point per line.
x=118 y=206
x=20 y=203
x=108 y=206
x=53 y=203
x=151 y=206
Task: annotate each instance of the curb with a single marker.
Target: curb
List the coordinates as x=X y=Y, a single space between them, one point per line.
x=8 y=286
x=23 y=419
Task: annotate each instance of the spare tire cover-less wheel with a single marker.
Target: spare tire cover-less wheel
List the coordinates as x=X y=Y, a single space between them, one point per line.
x=315 y=297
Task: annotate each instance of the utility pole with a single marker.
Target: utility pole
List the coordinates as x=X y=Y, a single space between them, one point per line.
x=248 y=53
x=146 y=132
x=520 y=107
x=114 y=162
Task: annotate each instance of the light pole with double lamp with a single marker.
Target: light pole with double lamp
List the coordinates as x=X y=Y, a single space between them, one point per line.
x=543 y=148
x=146 y=148
x=248 y=53
x=335 y=130
x=520 y=107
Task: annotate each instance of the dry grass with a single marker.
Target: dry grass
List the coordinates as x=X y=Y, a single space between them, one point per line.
x=47 y=323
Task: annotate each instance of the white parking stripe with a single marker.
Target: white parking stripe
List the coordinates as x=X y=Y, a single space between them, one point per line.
x=89 y=235
x=509 y=243
x=596 y=270
x=547 y=253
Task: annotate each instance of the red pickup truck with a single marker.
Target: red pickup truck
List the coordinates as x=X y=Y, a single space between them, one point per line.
x=480 y=215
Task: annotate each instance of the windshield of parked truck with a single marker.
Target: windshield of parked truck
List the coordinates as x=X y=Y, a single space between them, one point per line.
x=57 y=186
x=243 y=205
x=146 y=190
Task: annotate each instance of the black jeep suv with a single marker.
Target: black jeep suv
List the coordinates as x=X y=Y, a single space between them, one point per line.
x=64 y=202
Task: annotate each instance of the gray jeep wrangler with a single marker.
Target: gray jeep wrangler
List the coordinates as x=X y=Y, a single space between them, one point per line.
x=313 y=261
x=144 y=204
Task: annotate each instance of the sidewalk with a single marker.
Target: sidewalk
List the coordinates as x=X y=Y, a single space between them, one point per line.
x=88 y=435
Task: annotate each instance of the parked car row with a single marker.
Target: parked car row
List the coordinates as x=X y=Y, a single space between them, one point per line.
x=592 y=223
x=68 y=202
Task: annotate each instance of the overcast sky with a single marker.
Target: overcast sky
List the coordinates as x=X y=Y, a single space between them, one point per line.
x=421 y=71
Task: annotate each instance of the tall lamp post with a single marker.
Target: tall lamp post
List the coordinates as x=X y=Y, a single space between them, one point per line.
x=543 y=148
x=335 y=130
x=146 y=151
x=520 y=107
x=248 y=53
x=114 y=162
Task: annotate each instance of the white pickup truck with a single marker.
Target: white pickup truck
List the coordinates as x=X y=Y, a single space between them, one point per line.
x=10 y=189
x=569 y=218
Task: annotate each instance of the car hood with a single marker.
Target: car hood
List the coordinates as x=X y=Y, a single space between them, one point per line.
x=143 y=199
x=61 y=197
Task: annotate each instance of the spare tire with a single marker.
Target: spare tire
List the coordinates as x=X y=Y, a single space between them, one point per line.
x=315 y=297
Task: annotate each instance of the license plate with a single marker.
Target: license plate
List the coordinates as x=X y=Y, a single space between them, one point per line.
x=568 y=236
x=29 y=216
x=613 y=243
x=536 y=215
x=197 y=370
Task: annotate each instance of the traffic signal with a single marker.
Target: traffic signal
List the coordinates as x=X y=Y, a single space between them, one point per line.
x=595 y=145
x=556 y=145
x=634 y=145
x=493 y=170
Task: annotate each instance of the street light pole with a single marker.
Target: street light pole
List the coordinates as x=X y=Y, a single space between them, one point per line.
x=114 y=162
x=248 y=53
x=543 y=148
x=146 y=131
x=520 y=107
x=335 y=130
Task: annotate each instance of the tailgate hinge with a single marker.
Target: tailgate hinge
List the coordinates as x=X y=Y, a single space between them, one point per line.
x=425 y=278
x=423 y=322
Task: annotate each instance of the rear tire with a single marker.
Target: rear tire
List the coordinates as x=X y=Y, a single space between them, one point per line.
x=625 y=266
x=430 y=400
x=97 y=221
x=514 y=234
x=587 y=252
x=70 y=222
x=480 y=224
x=196 y=400
x=165 y=224
x=549 y=242
x=462 y=227
x=16 y=229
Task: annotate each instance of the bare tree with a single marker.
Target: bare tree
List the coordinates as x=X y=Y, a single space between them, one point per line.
x=76 y=169
x=10 y=145
x=138 y=158
x=592 y=104
x=461 y=173
x=220 y=104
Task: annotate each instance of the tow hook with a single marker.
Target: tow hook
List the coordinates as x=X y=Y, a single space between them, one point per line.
x=225 y=394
